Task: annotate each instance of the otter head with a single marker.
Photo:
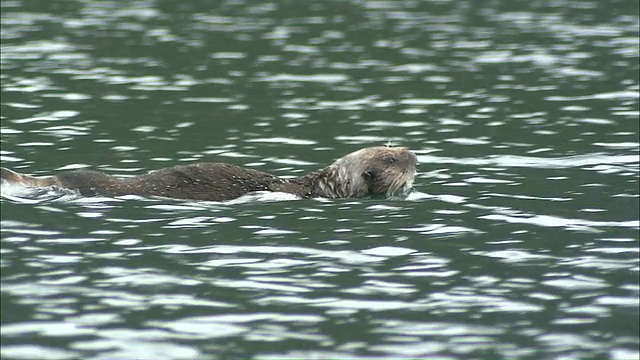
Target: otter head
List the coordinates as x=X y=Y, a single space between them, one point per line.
x=378 y=170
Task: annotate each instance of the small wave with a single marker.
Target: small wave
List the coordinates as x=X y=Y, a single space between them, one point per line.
x=556 y=221
x=535 y=162
x=34 y=195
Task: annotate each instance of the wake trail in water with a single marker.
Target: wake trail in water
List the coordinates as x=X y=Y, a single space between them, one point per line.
x=34 y=195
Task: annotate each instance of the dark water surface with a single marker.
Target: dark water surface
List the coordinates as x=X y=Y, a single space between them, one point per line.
x=520 y=241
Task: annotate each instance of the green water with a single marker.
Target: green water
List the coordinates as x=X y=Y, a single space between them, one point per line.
x=520 y=240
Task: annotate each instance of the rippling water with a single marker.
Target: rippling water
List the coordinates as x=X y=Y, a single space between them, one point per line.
x=520 y=240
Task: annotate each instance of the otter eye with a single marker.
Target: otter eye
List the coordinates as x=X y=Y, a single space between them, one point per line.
x=391 y=159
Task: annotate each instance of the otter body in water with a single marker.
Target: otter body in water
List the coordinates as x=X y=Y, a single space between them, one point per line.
x=370 y=171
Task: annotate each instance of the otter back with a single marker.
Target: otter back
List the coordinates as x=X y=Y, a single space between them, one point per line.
x=205 y=181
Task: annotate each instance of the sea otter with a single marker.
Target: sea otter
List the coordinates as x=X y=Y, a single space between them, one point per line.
x=378 y=170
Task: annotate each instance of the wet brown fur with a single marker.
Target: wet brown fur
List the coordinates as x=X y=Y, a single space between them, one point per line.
x=370 y=171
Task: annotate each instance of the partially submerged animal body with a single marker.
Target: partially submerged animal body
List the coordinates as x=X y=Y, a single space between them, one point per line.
x=370 y=171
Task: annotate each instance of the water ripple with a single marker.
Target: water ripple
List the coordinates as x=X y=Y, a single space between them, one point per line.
x=536 y=162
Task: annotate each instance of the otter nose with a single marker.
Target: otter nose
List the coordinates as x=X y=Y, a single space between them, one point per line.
x=411 y=158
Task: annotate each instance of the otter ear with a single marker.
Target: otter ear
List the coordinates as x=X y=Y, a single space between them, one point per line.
x=368 y=176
